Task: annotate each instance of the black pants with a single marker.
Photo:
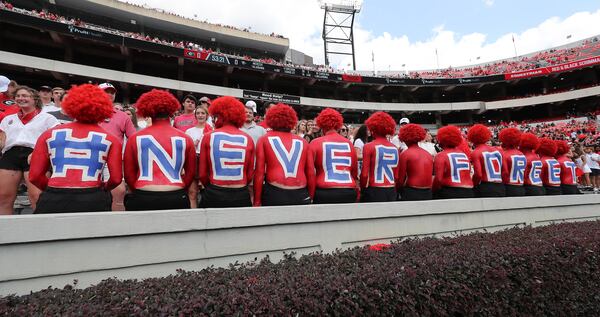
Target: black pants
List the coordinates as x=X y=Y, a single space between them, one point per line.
x=149 y=200
x=514 y=190
x=276 y=196
x=531 y=190
x=454 y=192
x=409 y=193
x=334 y=196
x=68 y=200
x=569 y=190
x=553 y=190
x=378 y=194
x=225 y=197
x=485 y=189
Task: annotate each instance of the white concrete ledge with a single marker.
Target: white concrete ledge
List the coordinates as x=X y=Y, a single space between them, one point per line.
x=41 y=250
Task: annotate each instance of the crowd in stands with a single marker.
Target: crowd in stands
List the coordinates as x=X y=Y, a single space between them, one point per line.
x=45 y=133
x=550 y=57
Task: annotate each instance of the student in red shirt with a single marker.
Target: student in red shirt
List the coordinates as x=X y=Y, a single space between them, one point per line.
x=487 y=163
x=550 y=166
x=452 y=167
x=283 y=163
x=568 y=177
x=514 y=162
x=75 y=154
x=533 y=169
x=335 y=162
x=380 y=161
x=188 y=118
x=415 y=173
x=160 y=160
x=226 y=164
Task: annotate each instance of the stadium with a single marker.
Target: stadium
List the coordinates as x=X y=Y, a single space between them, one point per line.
x=553 y=94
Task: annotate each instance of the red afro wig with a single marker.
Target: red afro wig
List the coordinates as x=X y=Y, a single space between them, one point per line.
x=562 y=147
x=156 y=103
x=529 y=141
x=479 y=134
x=329 y=119
x=449 y=137
x=87 y=104
x=510 y=138
x=228 y=110
x=411 y=133
x=281 y=117
x=547 y=147
x=381 y=124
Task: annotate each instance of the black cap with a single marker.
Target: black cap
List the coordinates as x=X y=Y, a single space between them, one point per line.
x=45 y=88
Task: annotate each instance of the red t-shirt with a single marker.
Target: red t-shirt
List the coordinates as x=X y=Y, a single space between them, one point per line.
x=185 y=121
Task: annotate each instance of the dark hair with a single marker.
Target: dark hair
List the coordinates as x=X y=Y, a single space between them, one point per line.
x=133 y=115
x=362 y=134
x=190 y=97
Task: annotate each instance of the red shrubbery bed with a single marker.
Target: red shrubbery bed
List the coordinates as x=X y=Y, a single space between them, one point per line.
x=553 y=270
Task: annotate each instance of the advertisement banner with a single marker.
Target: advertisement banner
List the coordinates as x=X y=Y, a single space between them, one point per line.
x=265 y=96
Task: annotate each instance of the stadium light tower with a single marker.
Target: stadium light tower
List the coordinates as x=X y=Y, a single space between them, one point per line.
x=338 y=24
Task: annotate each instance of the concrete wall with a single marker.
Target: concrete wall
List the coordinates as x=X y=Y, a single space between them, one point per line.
x=41 y=250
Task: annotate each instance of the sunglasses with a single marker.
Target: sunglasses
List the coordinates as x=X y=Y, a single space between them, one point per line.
x=343 y=130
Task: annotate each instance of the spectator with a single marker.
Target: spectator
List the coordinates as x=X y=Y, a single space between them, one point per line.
x=120 y=126
x=395 y=140
x=593 y=161
x=61 y=115
x=75 y=184
x=255 y=131
x=197 y=133
x=17 y=146
x=46 y=98
x=12 y=87
x=159 y=180
x=415 y=165
x=361 y=137
x=301 y=128
x=7 y=103
x=57 y=92
x=130 y=112
x=187 y=119
x=267 y=106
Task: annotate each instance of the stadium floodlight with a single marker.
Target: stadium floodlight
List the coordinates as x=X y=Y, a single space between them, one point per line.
x=338 y=27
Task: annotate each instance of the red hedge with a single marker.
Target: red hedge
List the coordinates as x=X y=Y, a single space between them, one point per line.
x=544 y=271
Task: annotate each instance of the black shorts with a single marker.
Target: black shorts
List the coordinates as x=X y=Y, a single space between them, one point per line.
x=531 y=190
x=486 y=189
x=151 y=200
x=569 y=190
x=67 y=200
x=15 y=159
x=378 y=194
x=595 y=172
x=276 y=196
x=225 y=197
x=553 y=190
x=409 y=193
x=334 y=196
x=454 y=192
x=514 y=190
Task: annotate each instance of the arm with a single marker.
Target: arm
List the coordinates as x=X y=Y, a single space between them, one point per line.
x=259 y=173
x=203 y=163
x=366 y=167
x=401 y=171
x=477 y=170
x=438 y=168
x=190 y=162
x=130 y=163
x=40 y=162
x=311 y=177
x=249 y=165
x=129 y=127
x=115 y=164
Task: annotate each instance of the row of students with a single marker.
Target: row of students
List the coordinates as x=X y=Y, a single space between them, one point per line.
x=160 y=162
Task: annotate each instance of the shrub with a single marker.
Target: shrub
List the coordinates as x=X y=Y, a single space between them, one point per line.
x=553 y=270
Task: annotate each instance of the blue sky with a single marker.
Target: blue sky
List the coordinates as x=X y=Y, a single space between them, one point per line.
x=417 y=19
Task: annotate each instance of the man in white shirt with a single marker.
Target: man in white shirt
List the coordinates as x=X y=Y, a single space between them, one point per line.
x=395 y=140
x=46 y=98
x=593 y=161
x=255 y=131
